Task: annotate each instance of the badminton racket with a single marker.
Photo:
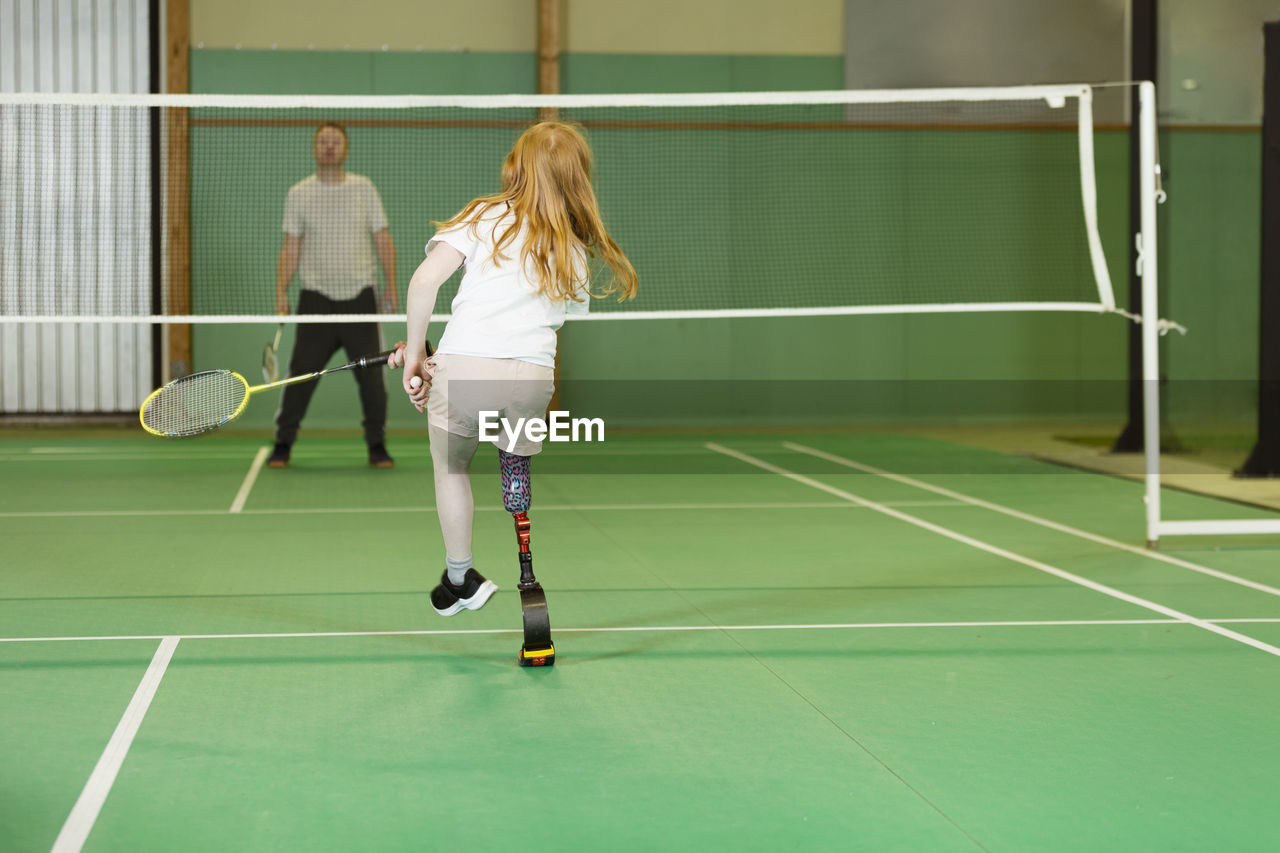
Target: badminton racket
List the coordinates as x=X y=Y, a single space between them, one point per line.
x=205 y=401
x=270 y=369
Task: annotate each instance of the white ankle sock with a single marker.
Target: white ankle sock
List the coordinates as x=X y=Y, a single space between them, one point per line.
x=457 y=569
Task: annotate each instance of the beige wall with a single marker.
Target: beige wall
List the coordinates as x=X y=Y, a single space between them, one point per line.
x=489 y=25
x=795 y=27
x=798 y=27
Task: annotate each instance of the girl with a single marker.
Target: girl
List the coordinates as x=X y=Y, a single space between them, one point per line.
x=526 y=253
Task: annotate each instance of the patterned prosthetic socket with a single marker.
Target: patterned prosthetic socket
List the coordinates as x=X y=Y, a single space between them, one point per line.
x=517 y=495
x=517 y=488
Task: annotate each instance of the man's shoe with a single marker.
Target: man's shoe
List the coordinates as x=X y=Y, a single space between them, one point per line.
x=379 y=457
x=447 y=599
x=279 y=457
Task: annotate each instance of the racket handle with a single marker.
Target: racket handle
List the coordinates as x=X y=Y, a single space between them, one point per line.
x=375 y=359
x=381 y=358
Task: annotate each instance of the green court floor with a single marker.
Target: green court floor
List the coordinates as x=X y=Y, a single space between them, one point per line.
x=759 y=647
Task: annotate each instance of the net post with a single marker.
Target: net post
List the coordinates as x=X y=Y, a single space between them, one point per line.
x=1146 y=119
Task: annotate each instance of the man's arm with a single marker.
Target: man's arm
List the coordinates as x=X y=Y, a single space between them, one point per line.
x=286 y=266
x=387 y=258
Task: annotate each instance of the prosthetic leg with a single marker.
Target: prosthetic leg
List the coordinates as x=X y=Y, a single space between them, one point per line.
x=517 y=497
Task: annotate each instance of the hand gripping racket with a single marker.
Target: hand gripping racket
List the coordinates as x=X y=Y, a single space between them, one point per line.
x=204 y=401
x=270 y=369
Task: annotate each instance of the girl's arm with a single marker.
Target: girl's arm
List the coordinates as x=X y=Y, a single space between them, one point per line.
x=441 y=262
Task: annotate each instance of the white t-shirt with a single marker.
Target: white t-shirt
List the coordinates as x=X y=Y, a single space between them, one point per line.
x=335 y=222
x=498 y=312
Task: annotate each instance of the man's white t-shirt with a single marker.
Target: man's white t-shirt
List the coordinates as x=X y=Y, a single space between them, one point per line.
x=335 y=222
x=498 y=312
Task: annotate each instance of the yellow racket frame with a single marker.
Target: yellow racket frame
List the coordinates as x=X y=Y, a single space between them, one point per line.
x=250 y=390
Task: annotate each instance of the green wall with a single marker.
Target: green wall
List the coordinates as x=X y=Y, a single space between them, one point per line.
x=791 y=370
x=1210 y=229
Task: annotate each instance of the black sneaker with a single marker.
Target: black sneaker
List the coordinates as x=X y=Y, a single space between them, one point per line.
x=379 y=457
x=448 y=599
x=279 y=457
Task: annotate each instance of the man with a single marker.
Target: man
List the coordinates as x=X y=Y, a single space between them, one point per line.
x=333 y=223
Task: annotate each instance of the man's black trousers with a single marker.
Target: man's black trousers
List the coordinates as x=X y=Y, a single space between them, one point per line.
x=316 y=343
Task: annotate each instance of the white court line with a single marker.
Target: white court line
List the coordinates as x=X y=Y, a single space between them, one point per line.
x=243 y=495
x=1001 y=552
x=91 y=454
x=200 y=456
x=109 y=513
x=106 y=513
x=605 y=629
x=1034 y=519
x=85 y=812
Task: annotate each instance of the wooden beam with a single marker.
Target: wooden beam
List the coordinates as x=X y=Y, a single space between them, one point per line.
x=549 y=84
x=178 y=213
x=549 y=52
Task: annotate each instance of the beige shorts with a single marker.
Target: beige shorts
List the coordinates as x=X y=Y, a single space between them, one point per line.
x=463 y=386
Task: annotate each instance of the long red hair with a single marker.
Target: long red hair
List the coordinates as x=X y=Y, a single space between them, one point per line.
x=546 y=181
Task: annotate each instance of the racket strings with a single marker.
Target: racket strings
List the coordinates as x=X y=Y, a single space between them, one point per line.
x=196 y=403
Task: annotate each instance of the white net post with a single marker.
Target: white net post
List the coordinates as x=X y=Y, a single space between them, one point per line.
x=1157 y=526
x=1146 y=244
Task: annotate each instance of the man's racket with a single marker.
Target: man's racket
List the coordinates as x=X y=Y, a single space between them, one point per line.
x=270 y=370
x=204 y=401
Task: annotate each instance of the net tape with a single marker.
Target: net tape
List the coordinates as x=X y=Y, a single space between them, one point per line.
x=743 y=242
